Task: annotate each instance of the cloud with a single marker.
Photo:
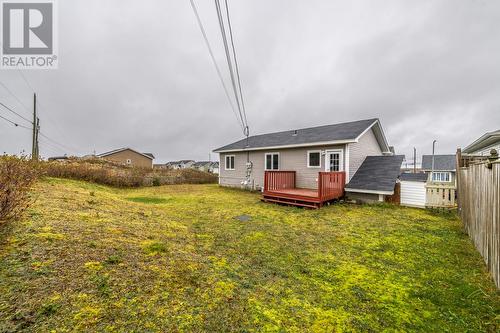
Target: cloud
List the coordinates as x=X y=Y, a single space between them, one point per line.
x=141 y=76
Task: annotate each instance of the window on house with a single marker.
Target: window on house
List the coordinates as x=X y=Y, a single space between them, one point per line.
x=441 y=177
x=129 y=161
x=272 y=161
x=314 y=159
x=229 y=162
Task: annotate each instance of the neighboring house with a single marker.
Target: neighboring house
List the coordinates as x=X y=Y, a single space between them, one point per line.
x=333 y=148
x=444 y=168
x=207 y=166
x=483 y=145
x=128 y=156
x=441 y=184
x=182 y=164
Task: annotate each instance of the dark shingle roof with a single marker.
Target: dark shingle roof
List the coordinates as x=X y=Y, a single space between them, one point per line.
x=327 y=133
x=377 y=173
x=414 y=177
x=441 y=162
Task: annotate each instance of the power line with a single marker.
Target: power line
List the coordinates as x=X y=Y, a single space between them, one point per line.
x=228 y=59
x=14 y=112
x=14 y=95
x=55 y=142
x=236 y=65
x=14 y=123
x=217 y=69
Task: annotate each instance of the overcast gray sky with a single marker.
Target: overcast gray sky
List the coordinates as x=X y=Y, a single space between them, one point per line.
x=138 y=74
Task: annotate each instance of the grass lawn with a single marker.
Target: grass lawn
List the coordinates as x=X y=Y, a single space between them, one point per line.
x=176 y=258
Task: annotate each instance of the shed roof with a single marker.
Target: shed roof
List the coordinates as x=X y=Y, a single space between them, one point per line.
x=414 y=177
x=377 y=174
x=441 y=162
x=327 y=134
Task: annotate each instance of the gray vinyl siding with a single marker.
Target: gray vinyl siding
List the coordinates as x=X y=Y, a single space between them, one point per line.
x=366 y=146
x=292 y=159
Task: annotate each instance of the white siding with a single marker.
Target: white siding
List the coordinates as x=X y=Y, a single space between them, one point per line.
x=366 y=146
x=413 y=194
x=486 y=151
x=291 y=159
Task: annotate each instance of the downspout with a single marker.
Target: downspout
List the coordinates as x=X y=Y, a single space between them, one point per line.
x=432 y=168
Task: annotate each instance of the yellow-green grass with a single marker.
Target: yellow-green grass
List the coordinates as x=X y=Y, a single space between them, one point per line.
x=175 y=258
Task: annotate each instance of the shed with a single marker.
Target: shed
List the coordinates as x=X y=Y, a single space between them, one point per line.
x=413 y=191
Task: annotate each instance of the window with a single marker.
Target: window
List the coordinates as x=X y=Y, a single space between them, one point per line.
x=441 y=177
x=229 y=162
x=314 y=159
x=272 y=161
x=129 y=161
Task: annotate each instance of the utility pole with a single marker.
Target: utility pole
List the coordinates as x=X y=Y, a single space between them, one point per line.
x=414 y=160
x=34 y=144
x=36 y=137
x=433 y=149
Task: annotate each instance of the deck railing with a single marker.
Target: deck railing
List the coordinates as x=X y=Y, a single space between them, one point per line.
x=331 y=185
x=279 y=180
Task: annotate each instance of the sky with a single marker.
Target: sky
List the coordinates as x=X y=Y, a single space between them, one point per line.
x=138 y=74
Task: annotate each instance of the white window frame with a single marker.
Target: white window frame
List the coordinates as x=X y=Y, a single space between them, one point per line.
x=441 y=173
x=272 y=160
x=128 y=161
x=308 y=159
x=341 y=158
x=225 y=162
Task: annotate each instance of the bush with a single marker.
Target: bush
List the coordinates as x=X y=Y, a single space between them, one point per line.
x=108 y=173
x=17 y=176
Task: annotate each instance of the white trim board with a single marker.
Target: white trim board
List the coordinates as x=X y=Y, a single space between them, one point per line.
x=354 y=190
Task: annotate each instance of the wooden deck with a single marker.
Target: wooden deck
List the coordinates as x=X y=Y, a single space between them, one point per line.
x=279 y=187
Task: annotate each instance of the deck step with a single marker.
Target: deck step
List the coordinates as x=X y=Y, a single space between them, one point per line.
x=290 y=202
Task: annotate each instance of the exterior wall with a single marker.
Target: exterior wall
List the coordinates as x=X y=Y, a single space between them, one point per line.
x=137 y=160
x=451 y=183
x=366 y=146
x=486 y=151
x=364 y=197
x=291 y=159
x=413 y=194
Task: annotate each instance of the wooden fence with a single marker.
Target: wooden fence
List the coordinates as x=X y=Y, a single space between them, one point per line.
x=479 y=207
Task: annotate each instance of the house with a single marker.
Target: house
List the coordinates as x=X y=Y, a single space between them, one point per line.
x=484 y=145
x=316 y=163
x=207 y=166
x=129 y=156
x=444 y=168
x=441 y=186
x=182 y=164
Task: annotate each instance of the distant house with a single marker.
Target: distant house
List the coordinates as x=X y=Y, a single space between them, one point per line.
x=484 y=145
x=207 y=166
x=58 y=158
x=314 y=165
x=129 y=156
x=444 y=168
x=182 y=164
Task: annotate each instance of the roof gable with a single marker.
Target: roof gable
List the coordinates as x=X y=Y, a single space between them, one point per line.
x=484 y=141
x=328 y=134
x=441 y=162
x=148 y=155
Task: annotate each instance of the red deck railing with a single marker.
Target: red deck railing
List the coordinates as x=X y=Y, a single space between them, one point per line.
x=331 y=185
x=279 y=180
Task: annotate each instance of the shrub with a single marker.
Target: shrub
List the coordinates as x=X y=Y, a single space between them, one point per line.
x=17 y=176
x=108 y=173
